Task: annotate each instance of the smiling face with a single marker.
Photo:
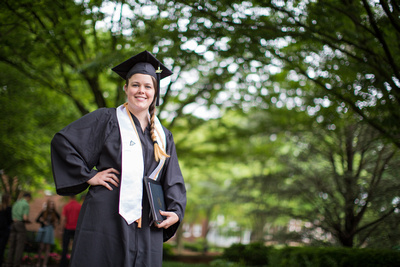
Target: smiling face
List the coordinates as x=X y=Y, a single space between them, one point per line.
x=140 y=92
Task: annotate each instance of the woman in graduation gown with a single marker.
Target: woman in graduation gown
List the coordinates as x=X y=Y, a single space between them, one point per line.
x=93 y=151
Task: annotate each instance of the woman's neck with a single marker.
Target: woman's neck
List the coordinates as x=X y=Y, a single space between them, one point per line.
x=142 y=118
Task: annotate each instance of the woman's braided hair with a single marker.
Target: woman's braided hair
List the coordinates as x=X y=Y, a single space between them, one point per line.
x=158 y=152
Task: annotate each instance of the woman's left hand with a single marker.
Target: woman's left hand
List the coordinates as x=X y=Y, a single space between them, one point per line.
x=171 y=219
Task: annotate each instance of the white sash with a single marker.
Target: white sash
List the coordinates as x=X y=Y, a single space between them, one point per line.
x=132 y=166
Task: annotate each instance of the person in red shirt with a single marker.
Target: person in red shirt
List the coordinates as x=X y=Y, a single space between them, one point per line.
x=69 y=219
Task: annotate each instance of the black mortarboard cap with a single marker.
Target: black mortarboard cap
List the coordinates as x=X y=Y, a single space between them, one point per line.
x=144 y=63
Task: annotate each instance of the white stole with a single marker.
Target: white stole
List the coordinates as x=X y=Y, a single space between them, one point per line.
x=132 y=166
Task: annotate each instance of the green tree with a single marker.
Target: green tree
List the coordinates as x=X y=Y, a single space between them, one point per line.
x=28 y=120
x=347 y=50
x=71 y=49
x=264 y=158
x=336 y=173
x=61 y=50
x=56 y=44
x=345 y=179
x=207 y=168
x=291 y=60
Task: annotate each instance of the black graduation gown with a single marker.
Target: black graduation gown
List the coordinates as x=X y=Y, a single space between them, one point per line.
x=103 y=238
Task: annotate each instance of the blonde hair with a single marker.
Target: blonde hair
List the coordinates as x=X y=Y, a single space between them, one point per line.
x=158 y=151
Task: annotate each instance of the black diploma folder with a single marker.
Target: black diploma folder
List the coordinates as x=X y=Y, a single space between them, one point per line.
x=155 y=195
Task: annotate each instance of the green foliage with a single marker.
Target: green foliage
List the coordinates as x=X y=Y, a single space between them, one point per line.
x=29 y=118
x=167 y=251
x=307 y=50
x=183 y=264
x=260 y=255
x=196 y=246
x=258 y=103
x=224 y=263
x=313 y=256
x=343 y=185
x=254 y=254
x=324 y=176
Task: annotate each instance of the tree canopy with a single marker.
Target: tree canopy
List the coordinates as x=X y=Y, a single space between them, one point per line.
x=347 y=50
x=279 y=108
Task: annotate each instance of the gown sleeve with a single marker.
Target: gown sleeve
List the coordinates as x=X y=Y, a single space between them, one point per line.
x=75 y=151
x=174 y=187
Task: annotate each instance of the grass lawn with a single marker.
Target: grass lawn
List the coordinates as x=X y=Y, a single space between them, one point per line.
x=183 y=264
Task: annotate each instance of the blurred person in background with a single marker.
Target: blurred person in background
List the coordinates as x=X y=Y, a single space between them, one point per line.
x=20 y=216
x=48 y=219
x=5 y=224
x=69 y=219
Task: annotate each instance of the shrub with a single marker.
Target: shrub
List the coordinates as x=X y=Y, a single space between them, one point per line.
x=256 y=254
x=235 y=253
x=167 y=251
x=335 y=257
x=199 y=245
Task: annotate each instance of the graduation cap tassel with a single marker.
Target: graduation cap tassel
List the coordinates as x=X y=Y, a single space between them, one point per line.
x=158 y=73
